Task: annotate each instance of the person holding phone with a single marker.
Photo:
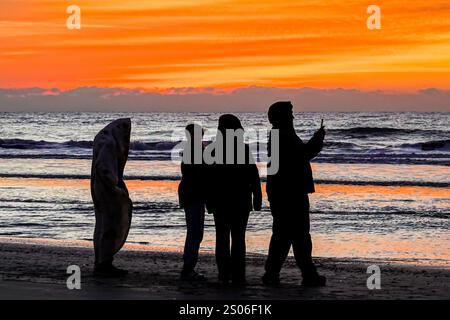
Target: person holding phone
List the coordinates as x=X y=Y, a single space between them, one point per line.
x=287 y=192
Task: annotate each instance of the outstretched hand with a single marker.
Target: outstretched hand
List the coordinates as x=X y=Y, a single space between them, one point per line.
x=321 y=132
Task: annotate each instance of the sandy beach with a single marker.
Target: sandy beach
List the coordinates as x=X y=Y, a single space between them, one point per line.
x=36 y=269
x=236 y=127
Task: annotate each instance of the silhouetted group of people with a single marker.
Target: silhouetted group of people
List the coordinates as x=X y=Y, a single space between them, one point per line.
x=229 y=191
x=229 y=188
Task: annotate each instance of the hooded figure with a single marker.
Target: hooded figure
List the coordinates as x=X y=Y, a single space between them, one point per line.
x=112 y=203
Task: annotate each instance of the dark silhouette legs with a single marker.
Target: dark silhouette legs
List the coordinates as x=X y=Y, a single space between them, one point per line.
x=280 y=244
x=290 y=227
x=104 y=268
x=231 y=263
x=223 y=255
x=195 y=220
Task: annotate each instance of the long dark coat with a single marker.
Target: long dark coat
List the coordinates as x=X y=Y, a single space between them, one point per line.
x=113 y=206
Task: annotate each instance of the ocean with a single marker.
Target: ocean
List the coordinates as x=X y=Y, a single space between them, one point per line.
x=383 y=181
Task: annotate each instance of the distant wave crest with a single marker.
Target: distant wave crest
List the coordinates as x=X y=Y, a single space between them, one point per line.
x=358 y=131
x=41 y=144
x=336 y=149
x=24 y=144
x=438 y=145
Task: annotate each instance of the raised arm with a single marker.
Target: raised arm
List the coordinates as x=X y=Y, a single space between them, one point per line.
x=315 y=144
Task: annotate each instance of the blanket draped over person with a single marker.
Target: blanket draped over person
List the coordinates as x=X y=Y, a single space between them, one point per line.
x=112 y=204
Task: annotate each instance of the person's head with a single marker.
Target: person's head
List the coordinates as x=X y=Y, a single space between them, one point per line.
x=194 y=131
x=120 y=129
x=118 y=132
x=229 y=122
x=231 y=133
x=280 y=114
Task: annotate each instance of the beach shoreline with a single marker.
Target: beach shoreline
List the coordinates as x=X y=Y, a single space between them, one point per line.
x=37 y=269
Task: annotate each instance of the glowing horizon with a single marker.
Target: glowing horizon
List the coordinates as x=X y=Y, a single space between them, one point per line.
x=159 y=45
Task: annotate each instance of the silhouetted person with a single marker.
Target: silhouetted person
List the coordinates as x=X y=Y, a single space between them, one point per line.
x=287 y=191
x=112 y=204
x=230 y=200
x=192 y=197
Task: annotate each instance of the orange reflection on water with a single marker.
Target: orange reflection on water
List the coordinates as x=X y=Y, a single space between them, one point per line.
x=170 y=187
x=385 y=191
x=38 y=182
x=136 y=185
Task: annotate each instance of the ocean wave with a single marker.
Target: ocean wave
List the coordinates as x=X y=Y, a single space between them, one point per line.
x=434 y=145
x=340 y=158
x=433 y=184
x=431 y=214
x=394 y=183
x=148 y=157
x=24 y=144
x=340 y=145
x=349 y=151
x=358 y=131
x=160 y=145
x=442 y=159
x=82 y=176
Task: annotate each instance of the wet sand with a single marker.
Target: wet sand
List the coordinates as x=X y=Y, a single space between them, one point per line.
x=37 y=270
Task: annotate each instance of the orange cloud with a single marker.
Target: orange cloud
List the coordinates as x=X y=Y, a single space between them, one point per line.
x=225 y=44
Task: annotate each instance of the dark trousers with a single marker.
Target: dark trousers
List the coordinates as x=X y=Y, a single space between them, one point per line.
x=290 y=227
x=195 y=221
x=231 y=261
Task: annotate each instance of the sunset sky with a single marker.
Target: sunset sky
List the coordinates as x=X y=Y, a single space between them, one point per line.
x=225 y=44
